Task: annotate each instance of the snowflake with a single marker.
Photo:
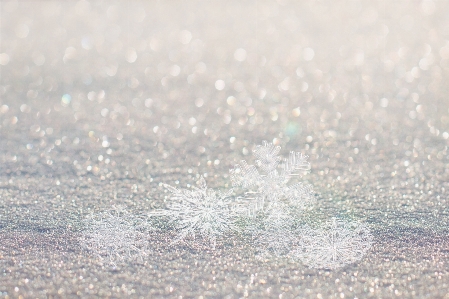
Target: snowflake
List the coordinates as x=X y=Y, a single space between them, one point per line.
x=268 y=189
x=272 y=232
x=337 y=244
x=115 y=235
x=200 y=211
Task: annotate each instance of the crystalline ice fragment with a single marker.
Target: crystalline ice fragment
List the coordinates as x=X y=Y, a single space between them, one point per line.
x=267 y=189
x=200 y=211
x=335 y=245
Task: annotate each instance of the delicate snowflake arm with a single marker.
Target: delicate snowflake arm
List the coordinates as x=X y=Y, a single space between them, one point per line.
x=171 y=189
x=300 y=193
x=296 y=163
x=226 y=196
x=267 y=155
x=178 y=200
x=277 y=216
x=184 y=194
x=202 y=183
x=245 y=175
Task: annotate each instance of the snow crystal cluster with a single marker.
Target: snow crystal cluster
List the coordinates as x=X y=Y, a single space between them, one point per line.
x=268 y=211
x=273 y=204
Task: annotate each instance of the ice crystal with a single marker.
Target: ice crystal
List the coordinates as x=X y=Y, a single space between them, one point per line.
x=200 y=211
x=114 y=235
x=335 y=245
x=272 y=232
x=265 y=190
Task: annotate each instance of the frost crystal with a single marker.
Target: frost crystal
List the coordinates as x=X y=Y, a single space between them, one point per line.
x=335 y=245
x=266 y=190
x=115 y=235
x=272 y=232
x=200 y=211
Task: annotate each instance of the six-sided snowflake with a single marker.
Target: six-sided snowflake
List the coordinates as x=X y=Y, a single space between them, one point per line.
x=200 y=211
x=266 y=190
x=335 y=245
x=115 y=235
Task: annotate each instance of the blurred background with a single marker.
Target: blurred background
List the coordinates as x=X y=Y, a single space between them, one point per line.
x=186 y=77
x=101 y=101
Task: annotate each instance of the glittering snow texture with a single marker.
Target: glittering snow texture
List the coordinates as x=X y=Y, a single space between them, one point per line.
x=103 y=102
